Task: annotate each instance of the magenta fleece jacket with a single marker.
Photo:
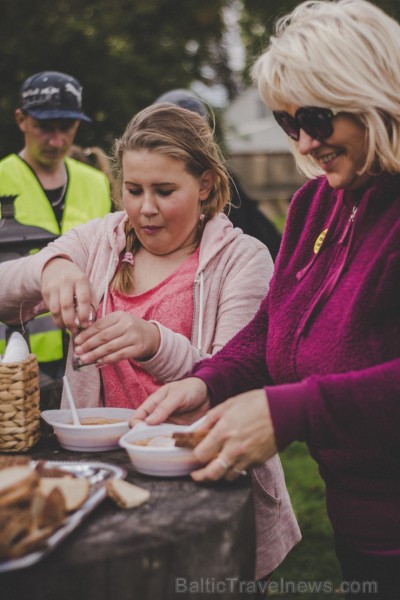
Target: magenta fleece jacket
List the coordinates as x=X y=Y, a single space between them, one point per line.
x=325 y=345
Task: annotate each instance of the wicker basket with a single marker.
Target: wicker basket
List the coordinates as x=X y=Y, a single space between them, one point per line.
x=19 y=405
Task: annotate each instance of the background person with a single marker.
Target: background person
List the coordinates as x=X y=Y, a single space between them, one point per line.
x=53 y=191
x=172 y=278
x=97 y=158
x=320 y=362
x=242 y=210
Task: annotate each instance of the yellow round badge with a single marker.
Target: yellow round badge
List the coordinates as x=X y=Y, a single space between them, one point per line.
x=319 y=240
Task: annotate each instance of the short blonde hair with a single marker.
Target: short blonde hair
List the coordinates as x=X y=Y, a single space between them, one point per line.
x=343 y=55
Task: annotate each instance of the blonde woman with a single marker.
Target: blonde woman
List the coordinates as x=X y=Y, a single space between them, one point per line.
x=320 y=362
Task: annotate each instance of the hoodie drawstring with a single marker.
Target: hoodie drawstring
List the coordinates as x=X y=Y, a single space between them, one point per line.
x=107 y=282
x=201 y=293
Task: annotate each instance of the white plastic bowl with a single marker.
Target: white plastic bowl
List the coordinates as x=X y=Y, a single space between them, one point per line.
x=160 y=461
x=89 y=438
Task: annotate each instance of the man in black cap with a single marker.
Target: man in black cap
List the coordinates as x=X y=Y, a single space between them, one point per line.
x=52 y=191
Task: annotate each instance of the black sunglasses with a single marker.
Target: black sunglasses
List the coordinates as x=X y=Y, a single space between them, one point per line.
x=315 y=121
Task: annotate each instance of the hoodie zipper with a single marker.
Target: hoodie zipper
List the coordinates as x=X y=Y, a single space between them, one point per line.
x=349 y=225
x=345 y=242
x=198 y=309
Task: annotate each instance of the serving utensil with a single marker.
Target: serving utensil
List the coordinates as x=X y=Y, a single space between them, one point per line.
x=70 y=398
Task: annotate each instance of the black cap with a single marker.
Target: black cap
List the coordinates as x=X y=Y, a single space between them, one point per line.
x=52 y=95
x=184 y=99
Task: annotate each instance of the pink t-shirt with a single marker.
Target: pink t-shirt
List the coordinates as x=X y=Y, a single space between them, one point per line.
x=125 y=383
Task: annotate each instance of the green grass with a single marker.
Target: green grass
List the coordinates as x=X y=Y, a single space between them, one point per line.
x=313 y=559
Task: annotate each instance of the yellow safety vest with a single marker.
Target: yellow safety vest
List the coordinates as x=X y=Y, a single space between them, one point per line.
x=87 y=197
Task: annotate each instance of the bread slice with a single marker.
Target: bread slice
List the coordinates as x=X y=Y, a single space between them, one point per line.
x=14 y=524
x=18 y=496
x=75 y=490
x=33 y=507
x=34 y=541
x=125 y=494
x=16 y=484
x=48 y=511
x=188 y=439
x=13 y=477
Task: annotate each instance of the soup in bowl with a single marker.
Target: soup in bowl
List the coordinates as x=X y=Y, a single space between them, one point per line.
x=100 y=429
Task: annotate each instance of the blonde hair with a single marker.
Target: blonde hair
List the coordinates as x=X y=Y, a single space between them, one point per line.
x=180 y=134
x=343 y=55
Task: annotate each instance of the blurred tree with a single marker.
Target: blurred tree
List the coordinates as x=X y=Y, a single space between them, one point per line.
x=125 y=53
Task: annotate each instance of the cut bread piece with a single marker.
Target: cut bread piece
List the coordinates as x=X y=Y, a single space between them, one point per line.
x=75 y=490
x=34 y=541
x=32 y=508
x=13 y=477
x=50 y=510
x=188 y=439
x=54 y=509
x=18 y=495
x=125 y=494
x=16 y=484
x=14 y=524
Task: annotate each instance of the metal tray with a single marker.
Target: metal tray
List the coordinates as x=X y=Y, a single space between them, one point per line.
x=97 y=473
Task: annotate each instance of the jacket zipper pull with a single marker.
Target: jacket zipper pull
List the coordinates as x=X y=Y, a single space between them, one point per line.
x=349 y=224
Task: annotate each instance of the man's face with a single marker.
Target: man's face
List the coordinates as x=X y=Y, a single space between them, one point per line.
x=48 y=141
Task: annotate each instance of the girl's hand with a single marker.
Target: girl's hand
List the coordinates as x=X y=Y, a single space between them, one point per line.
x=241 y=435
x=68 y=294
x=180 y=402
x=117 y=336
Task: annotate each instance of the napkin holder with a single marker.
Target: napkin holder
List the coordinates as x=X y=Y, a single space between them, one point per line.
x=19 y=405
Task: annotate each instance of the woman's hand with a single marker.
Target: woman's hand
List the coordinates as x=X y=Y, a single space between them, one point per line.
x=180 y=402
x=115 y=337
x=68 y=294
x=241 y=435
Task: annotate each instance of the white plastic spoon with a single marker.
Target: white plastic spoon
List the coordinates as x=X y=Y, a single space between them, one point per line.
x=75 y=418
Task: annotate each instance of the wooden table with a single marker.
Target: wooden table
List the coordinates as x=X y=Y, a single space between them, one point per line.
x=187 y=541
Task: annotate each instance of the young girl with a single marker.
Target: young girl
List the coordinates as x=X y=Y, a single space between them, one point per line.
x=170 y=280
